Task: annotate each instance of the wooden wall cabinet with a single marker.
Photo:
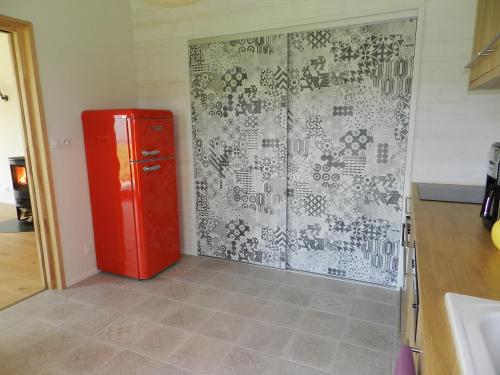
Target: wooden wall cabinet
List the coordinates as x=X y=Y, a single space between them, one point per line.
x=485 y=70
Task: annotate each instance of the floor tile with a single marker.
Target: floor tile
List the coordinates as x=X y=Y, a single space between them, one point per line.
x=111 y=297
x=315 y=351
x=266 y=273
x=243 y=305
x=291 y=368
x=377 y=294
x=124 y=331
x=336 y=286
x=153 y=286
x=51 y=347
x=128 y=363
x=266 y=338
x=242 y=361
x=209 y=297
x=154 y=308
x=374 y=312
x=258 y=288
x=293 y=295
x=160 y=342
x=238 y=268
x=175 y=271
x=178 y=290
x=323 y=324
x=87 y=358
x=60 y=312
x=301 y=279
x=197 y=276
x=370 y=335
x=200 y=354
x=187 y=317
x=332 y=303
x=213 y=264
x=224 y=327
x=225 y=281
x=353 y=360
x=90 y=320
x=281 y=314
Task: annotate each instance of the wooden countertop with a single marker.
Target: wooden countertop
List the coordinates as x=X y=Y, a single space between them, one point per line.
x=454 y=254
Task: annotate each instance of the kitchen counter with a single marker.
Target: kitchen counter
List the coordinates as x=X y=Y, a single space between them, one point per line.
x=454 y=254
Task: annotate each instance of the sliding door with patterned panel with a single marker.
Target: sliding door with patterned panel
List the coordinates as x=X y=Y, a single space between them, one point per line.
x=348 y=117
x=238 y=108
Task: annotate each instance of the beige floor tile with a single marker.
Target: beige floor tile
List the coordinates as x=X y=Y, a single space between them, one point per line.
x=187 y=317
x=160 y=342
x=353 y=360
x=200 y=354
x=111 y=297
x=51 y=347
x=90 y=320
x=377 y=294
x=178 y=290
x=293 y=295
x=332 y=303
x=291 y=368
x=311 y=350
x=266 y=273
x=258 y=288
x=301 y=279
x=224 y=327
x=175 y=271
x=128 y=363
x=323 y=324
x=281 y=314
x=87 y=358
x=370 y=335
x=197 y=276
x=267 y=338
x=125 y=331
x=336 y=286
x=213 y=264
x=374 y=312
x=154 y=308
x=237 y=268
x=243 y=305
x=209 y=297
x=225 y=281
x=242 y=361
x=58 y=313
x=30 y=306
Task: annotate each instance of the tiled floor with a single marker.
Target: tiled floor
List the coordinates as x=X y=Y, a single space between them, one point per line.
x=203 y=316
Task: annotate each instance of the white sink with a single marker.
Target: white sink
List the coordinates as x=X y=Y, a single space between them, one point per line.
x=475 y=323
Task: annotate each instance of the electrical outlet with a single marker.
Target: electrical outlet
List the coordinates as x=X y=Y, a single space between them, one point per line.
x=89 y=249
x=60 y=143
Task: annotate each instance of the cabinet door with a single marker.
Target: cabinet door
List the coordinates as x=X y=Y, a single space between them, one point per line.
x=487 y=27
x=410 y=311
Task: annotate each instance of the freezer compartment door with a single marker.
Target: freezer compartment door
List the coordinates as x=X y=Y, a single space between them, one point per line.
x=151 y=138
x=157 y=223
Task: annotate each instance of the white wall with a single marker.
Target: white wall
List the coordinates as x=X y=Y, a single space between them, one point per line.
x=453 y=127
x=11 y=133
x=85 y=59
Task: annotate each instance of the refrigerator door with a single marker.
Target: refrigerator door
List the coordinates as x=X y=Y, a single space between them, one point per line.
x=151 y=138
x=156 y=217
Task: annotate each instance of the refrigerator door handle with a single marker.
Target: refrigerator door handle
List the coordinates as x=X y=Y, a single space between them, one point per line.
x=150 y=153
x=151 y=168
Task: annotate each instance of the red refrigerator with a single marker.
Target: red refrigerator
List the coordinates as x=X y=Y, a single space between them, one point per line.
x=132 y=180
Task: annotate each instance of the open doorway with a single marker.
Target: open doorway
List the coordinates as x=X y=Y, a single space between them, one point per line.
x=21 y=266
x=30 y=257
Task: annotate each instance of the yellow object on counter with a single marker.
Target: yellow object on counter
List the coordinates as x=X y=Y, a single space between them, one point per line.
x=495 y=234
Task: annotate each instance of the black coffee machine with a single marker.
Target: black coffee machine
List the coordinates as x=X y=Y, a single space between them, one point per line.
x=489 y=209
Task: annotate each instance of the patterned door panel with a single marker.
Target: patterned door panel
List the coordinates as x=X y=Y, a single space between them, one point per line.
x=238 y=107
x=348 y=115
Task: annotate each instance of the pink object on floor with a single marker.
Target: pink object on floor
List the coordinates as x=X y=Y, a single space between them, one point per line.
x=405 y=365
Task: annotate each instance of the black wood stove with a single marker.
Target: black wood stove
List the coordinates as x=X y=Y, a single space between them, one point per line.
x=21 y=191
